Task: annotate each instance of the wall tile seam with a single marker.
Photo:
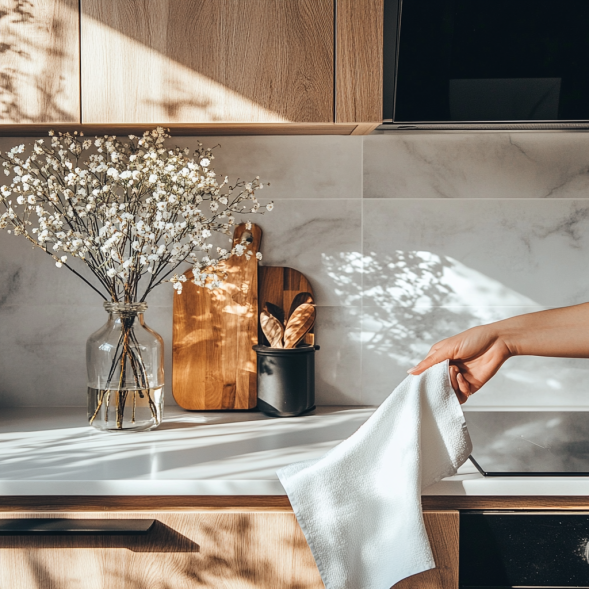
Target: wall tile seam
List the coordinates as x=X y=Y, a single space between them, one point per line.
x=473 y=306
x=320 y=306
x=474 y=199
x=98 y=305
x=344 y=306
x=362 y=393
x=163 y=307
x=321 y=198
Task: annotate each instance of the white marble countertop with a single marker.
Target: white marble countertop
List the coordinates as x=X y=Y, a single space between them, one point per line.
x=53 y=452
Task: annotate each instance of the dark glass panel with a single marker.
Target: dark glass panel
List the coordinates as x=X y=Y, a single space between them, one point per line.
x=503 y=60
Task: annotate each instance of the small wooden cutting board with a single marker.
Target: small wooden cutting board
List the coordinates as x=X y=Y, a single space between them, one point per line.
x=214 y=365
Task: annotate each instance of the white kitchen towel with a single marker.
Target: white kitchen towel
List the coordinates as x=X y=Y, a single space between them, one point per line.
x=359 y=506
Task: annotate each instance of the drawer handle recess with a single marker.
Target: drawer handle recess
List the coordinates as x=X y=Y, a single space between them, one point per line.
x=74 y=526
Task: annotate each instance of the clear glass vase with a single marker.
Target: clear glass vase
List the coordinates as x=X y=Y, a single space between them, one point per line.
x=125 y=363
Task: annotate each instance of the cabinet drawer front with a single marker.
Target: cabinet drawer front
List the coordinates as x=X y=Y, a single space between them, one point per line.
x=183 y=550
x=529 y=549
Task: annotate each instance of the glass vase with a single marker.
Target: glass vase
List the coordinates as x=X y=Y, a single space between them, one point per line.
x=125 y=363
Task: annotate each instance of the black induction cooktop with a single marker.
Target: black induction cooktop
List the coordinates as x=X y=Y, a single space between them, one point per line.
x=530 y=443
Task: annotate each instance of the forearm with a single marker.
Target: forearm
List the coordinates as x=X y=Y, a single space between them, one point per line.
x=560 y=332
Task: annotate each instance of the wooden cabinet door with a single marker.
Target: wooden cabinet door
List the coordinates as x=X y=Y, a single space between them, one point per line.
x=442 y=528
x=183 y=550
x=39 y=61
x=359 y=59
x=206 y=61
x=194 y=550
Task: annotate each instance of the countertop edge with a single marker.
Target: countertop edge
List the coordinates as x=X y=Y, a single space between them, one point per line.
x=266 y=503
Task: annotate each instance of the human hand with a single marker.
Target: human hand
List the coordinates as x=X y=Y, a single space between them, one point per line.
x=475 y=357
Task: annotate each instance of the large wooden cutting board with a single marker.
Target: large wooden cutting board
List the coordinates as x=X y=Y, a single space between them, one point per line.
x=214 y=366
x=279 y=286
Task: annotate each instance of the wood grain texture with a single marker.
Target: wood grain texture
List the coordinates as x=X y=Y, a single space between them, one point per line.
x=203 y=129
x=442 y=529
x=165 y=61
x=214 y=365
x=273 y=329
x=39 y=61
x=300 y=299
x=359 y=51
x=63 y=503
x=269 y=502
x=279 y=286
x=181 y=551
x=503 y=502
x=197 y=548
x=299 y=324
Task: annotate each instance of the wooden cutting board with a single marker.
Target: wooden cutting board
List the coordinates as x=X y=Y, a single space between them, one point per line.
x=214 y=366
x=279 y=286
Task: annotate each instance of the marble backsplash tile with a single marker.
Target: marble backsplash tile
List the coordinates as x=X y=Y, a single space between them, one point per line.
x=303 y=234
x=295 y=166
x=475 y=252
x=46 y=314
x=394 y=340
x=316 y=237
x=476 y=165
x=43 y=353
x=452 y=231
x=338 y=363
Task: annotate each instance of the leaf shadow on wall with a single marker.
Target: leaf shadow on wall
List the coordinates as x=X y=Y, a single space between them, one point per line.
x=412 y=299
x=398 y=294
x=33 y=60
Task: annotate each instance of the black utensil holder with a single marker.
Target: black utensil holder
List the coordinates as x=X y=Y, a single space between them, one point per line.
x=286 y=380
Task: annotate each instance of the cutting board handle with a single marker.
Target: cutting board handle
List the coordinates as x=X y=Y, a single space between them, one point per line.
x=251 y=236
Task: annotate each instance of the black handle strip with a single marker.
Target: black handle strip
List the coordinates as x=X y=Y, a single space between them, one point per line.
x=49 y=526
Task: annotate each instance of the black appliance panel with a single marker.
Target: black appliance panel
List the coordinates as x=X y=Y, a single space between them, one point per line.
x=475 y=60
x=523 y=549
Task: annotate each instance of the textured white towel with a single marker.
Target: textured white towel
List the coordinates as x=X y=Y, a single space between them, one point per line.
x=359 y=506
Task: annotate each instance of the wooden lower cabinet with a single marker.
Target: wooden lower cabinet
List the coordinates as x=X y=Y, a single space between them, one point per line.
x=442 y=528
x=249 y=549
x=182 y=551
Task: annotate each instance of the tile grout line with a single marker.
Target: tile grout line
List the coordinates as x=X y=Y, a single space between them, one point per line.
x=361 y=248
x=438 y=199
x=329 y=199
x=473 y=199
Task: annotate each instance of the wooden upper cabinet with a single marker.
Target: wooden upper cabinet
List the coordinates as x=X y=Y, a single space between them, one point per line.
x=39 y=62
x=359 y=59
x=207 y=61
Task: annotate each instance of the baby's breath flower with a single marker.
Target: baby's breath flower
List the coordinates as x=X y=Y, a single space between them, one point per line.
x=128 y=210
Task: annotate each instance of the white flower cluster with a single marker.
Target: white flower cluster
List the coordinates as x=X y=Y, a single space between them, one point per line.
x=128 y=210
